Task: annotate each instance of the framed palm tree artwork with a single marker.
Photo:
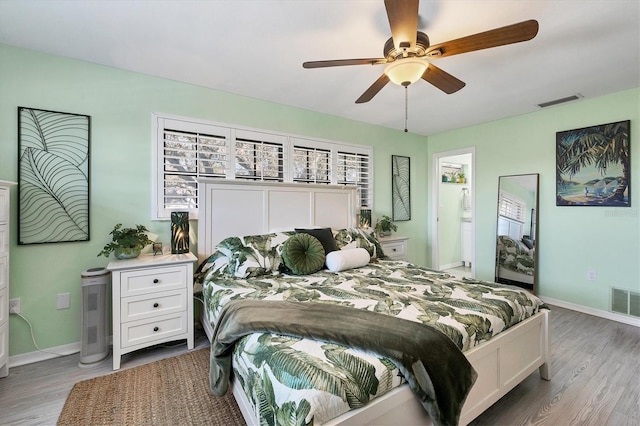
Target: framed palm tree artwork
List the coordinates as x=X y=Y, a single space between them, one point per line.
x=53 y=176
x=593 y=166
x=400 y=187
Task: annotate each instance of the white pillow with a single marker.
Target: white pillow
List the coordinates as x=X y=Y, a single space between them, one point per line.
x=341 y=260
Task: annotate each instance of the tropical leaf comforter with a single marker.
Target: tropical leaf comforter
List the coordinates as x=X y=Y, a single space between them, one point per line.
x=299 y=381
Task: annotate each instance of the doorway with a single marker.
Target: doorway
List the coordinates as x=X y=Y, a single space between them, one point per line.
x=453 y=208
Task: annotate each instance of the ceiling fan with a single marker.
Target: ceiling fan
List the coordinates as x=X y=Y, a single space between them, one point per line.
x=408 y=54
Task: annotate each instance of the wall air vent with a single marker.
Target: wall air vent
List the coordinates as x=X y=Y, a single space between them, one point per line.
x=561 y=100
x=625 y=302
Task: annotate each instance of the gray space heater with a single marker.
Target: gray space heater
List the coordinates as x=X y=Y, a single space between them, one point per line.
x=95 y=315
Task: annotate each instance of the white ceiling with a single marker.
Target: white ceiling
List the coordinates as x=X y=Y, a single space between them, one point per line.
x=256 y=48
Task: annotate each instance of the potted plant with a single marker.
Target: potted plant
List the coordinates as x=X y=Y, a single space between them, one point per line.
x=461 y=178
x=384 y=226
x=126 y=243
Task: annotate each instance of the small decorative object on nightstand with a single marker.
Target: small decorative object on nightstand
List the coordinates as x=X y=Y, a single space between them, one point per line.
x=157 y=248
x=152 y=302
x=395 y=247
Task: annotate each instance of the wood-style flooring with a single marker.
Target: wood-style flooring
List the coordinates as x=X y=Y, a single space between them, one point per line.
x=596 y=379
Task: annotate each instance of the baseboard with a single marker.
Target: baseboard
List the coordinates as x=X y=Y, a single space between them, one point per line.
x=37 y=356
x=451 y=265
x=591 y=311
x=72 y=348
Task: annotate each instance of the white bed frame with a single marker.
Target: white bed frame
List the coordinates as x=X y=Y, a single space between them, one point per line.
x=228 y=208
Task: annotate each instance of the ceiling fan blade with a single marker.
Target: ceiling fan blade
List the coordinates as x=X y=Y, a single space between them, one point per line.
x=515 y=33
x=403 y=20
x=442 y=79
x=373 y=89
x=343 y=62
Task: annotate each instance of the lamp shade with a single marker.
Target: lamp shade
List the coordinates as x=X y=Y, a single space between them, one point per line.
x=406 y=71
x=179 y=232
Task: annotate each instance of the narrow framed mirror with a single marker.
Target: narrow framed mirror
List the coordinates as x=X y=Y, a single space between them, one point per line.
x=517 y=231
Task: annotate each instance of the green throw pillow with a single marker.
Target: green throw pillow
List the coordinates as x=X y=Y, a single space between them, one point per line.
x=303 y=254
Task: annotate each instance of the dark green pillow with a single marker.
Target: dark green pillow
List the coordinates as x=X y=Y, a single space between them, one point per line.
x=324 y=235
x=303 y=254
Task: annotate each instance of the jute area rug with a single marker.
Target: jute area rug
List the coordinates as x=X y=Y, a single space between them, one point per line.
x=173 y=391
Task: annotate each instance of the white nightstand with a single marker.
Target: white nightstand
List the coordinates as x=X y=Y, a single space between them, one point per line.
x=395 y=246
x=152 y=301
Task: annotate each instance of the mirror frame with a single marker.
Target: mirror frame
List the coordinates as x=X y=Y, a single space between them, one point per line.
x=517 y=249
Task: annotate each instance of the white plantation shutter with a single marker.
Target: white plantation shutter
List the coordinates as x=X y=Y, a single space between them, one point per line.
x=311 y=165
x=258 y=156
x=353 y=169
x=187 y=149
x=511 y=207
x=188 y=156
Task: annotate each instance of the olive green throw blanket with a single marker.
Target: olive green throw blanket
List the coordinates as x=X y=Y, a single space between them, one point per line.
x=436 y=370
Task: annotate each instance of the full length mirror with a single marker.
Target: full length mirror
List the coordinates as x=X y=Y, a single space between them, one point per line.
x=517 y=229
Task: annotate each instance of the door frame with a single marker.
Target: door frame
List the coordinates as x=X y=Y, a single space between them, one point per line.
x=435 y=204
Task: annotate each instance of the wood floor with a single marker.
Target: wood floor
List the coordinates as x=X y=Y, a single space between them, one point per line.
x=596 y=380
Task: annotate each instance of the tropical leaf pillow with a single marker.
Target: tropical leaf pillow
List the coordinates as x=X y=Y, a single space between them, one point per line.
x=360 y=238
x=247 y=256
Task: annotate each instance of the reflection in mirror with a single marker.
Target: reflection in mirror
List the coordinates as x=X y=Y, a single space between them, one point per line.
x=516 y=252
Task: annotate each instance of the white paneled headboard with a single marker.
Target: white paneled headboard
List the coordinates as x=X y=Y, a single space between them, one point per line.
x=234 y=207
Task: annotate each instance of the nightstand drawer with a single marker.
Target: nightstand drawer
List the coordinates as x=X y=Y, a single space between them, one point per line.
x=143 y=281
x=151 y=305
x=394 y=250
x=146 y=331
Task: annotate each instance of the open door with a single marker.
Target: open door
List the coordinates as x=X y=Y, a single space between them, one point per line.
x=453 y=205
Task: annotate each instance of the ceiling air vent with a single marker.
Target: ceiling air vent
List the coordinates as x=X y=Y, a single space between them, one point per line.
x=561 y=100
x=625 y=302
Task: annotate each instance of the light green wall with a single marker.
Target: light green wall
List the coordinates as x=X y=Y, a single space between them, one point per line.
x=120 y=104
x=572 y=240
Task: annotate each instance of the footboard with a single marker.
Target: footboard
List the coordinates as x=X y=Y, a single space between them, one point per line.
x=501 y=364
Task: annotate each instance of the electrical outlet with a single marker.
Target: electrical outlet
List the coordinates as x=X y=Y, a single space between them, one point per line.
x=591 y=275
x=14 y=306
x=63 y=301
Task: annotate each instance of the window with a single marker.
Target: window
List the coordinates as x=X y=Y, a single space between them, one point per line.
x=511 y=207
x=353 y=169
x=188 y=156
x=258 y=160
x=311 y=165
x=187 y=149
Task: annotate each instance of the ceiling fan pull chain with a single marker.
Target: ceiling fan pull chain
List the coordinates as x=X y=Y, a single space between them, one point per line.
x=406 y=107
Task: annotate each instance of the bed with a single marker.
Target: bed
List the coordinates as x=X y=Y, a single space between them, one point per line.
x=249 y=212
x=516 y=261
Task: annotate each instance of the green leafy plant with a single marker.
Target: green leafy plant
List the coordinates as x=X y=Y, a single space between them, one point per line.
x=385 y=225
x=126 y=240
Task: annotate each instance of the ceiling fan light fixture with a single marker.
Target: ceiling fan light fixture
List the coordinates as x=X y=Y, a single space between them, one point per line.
x=406 y=71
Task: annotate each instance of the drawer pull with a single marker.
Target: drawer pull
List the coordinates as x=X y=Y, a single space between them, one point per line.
x=156 y=281
x=395 y=249
x=155 y=305
x=156 y=328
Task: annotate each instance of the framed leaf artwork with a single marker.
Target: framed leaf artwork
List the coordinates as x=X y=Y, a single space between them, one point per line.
x=53 y=176
x=400 y=187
